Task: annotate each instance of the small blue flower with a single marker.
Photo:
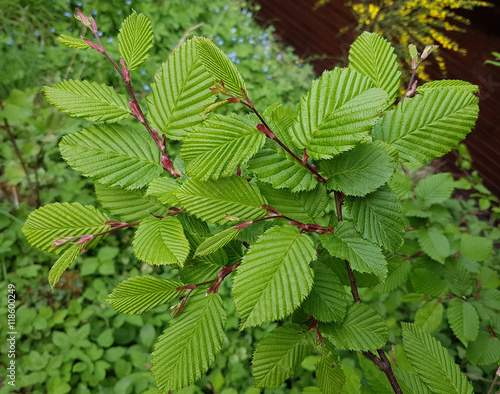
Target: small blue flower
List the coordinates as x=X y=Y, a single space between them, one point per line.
x=100 y=33
x=240 y=40
x=128 y=2
x=143 y=72
x=233 y=30
x=233 y=38
x=146 y=88
x=52 y=30
x=220 y=42
x=68 y=14
x=279 y=56
x=237 y=61
x=10 y=42
x=251 y=41
x=243 y=12
x=216 y=10
x=110 y=39
x=119 y=12
x=249 y=14
x=247 y=23
x=269 y=77
x=37 y=33
x=265 y=69
x=225 y=6
x=79 y=3
x=255 y=56
x=94 y=13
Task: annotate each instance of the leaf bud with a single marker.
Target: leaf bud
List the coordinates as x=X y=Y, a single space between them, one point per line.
x=82 y=18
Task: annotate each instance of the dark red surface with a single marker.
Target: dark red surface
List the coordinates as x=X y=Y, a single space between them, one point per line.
x=317 y=32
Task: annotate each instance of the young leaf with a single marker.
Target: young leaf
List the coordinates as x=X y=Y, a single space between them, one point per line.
x=475 y=248
x=94 y=102
x=279 y=354
x=410 y=382
x=130 y=206
x=213 y=199
x=376 y=378
x=428 y=125
x=62 y=220
x=327 y=301
x=337 y=113
x=62 y=264
x=304 y=206
x=276 y=267
x=484 y=350
x=362 y=329
x=331 y=378
x=349 y=245
x=135 y=39
x=142 y=293
x=162 y=188
x=373 y=56
x=448 y=84
x=464 y=320
x=161 y=241
x=114 y=155
x=220 y=67
x=434 y=243
x=379 y=216
x=435 y=189
x=187 y=348
x=429 y=315
x=220 y=145
x=432 y=362
x=217 y=241
x=359 y=171
x=72 y=42
x=180 y=93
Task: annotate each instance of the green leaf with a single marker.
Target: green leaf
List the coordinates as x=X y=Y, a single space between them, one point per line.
x=161 y=241
x=434 y=243
x=273 y=164
x=303 y=206
x=135 y=39
x=213 y=199
x=448 y=84
x=279 y=354
x=162 y=188
x=359 y=171
x=376 y=378
x=379 y=216
x=362 y=329
x=428 y=125
x=220 y=145
x=352 y=381
x=62 y=220
x=276 y=267
x=130 y=206
x=142 y=293
x=412 y=50
x=62 y=264
x=429 y=315
x=410 y=382
x=92 y=101
x=337 y=113
x=187 y=348
x=402 y=185
x=432 y=362
x=216 y=242
x=327 y=300
x=435 y=189
x=331 y=378
x=464 y=320
x=373 y=56
x=475 y=248
x=484 y=350
x=180 y=93
x=114 y=155
x=396 y=278
x=220 y=66
x=348 y=244
x=72 y=42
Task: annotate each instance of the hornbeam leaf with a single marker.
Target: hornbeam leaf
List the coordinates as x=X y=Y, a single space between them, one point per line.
x=130 y=206
x=72 y=42
x=376 y=378
x=214 y=243
x=135 y=39
x=359 y=171
x=331 y=377
x=464 y=320
x=114 y=155
x=432 y=362
x=428 y=125
x=213 y=199
x=279 y=353
x=373 y=56
x=162 y=188
x=435 y=189
x=475 y=248
x=216 y=148
x=62 y=264
x=327 y=300
x=304 y=207
x=484 y=350
x=434 y=243
x=62 y=220
x=379 y=216
x=276 y=267
x=180 y=93
x=142 y=293
x=161 y=241
x=448 y=84
x=410 y=382
x=220 y=67
x=348 y=244
x=429 y=315
x=362 y=329
x=92 y=101
x=187 y=348
x=337 y=113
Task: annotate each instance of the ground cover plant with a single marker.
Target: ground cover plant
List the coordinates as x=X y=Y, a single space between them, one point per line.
x=301 y=205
